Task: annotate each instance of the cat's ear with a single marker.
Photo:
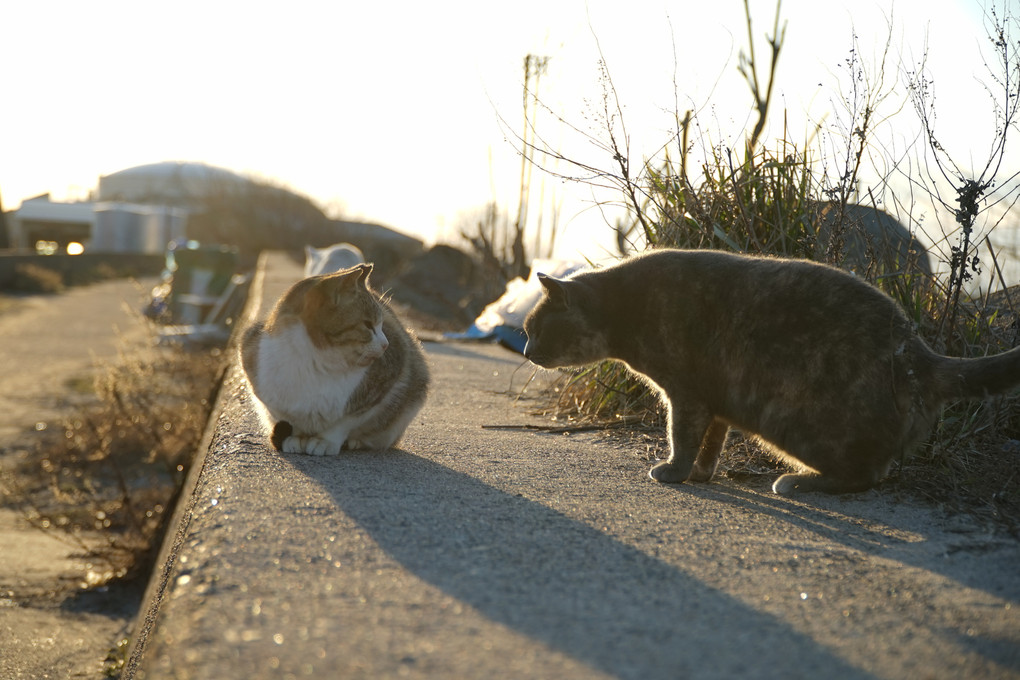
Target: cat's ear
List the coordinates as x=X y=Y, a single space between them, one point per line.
x=341 y=283
x=354 y=275
x=555 y=288
x=364 y=269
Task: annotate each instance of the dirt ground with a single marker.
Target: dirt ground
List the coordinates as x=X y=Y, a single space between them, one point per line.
x=50 y=347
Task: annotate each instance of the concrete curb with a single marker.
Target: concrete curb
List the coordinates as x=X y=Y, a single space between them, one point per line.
x=159 y=583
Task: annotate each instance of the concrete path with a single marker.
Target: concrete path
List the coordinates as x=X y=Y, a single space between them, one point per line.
x=51 y=345
x=481 y=553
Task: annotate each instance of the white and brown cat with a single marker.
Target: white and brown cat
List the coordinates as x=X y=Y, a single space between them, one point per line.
x=333 y=368
x=823 y=367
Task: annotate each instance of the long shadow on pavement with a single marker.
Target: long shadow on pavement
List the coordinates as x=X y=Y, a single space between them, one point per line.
x=559 y=581
x=822 y=515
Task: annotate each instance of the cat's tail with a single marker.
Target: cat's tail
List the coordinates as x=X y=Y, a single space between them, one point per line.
x=978 y=378
x=281 y=431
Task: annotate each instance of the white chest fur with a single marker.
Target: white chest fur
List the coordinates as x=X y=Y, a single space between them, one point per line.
x=302 y=384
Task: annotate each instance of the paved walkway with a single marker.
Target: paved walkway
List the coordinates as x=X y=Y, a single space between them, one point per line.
x=482 y=553
x=51 y=344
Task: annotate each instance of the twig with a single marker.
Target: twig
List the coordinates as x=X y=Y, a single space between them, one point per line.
x=563 y=429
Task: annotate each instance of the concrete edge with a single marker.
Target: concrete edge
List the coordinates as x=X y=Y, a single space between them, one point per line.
x=177 y=528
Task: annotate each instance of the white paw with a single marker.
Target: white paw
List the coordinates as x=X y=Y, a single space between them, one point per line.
x=787 y=485
x=313 y=446
x=782 y=488
x=321 y=447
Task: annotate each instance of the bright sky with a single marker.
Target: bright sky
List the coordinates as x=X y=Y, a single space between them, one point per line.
x=389 y=111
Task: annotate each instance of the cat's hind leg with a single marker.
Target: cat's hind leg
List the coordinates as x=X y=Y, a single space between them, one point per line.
x=849 y=471
x=708 y=457
x=798 y=482
x=688 y=426
x=370 y=436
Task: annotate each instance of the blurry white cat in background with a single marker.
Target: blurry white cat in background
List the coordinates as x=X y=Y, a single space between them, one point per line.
x=331 y=258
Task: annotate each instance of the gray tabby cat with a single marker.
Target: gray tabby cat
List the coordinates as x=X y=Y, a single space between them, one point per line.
x=333 y=368
x=820 y=365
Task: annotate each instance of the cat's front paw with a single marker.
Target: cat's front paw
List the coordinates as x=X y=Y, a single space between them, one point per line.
x=313 y=446
x=668 y=473
x=321 y=447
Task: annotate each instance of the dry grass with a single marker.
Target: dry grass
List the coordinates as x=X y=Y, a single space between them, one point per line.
x=32 y=278
x=115 y=467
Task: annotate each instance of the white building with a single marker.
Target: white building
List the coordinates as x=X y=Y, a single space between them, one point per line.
x=170 y=183
x=40 y=220
x=138 y=210
x=106 y=227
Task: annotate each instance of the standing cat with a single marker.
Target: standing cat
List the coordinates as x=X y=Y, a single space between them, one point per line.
x=331 y=259
x=817 y=363
x=333 y=368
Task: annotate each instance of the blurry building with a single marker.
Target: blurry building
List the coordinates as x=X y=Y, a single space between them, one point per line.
x=40 y=220
x=176 y=184
x=137 y=210
x=47 y=226
x=142 y=209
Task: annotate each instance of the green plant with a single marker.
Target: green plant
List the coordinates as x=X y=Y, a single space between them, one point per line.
x=115 y=659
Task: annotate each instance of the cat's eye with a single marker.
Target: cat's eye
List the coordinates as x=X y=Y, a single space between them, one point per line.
x=370 y=326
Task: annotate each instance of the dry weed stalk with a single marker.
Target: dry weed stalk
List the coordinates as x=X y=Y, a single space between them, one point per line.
x=112 y=472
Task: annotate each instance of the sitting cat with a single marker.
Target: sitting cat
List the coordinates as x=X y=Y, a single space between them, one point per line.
x=333 y=368
x=331 y=259
x=820 y=365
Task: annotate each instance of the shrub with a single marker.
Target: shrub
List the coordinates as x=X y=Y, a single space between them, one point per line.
x=33 y=278
x=116 y=466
